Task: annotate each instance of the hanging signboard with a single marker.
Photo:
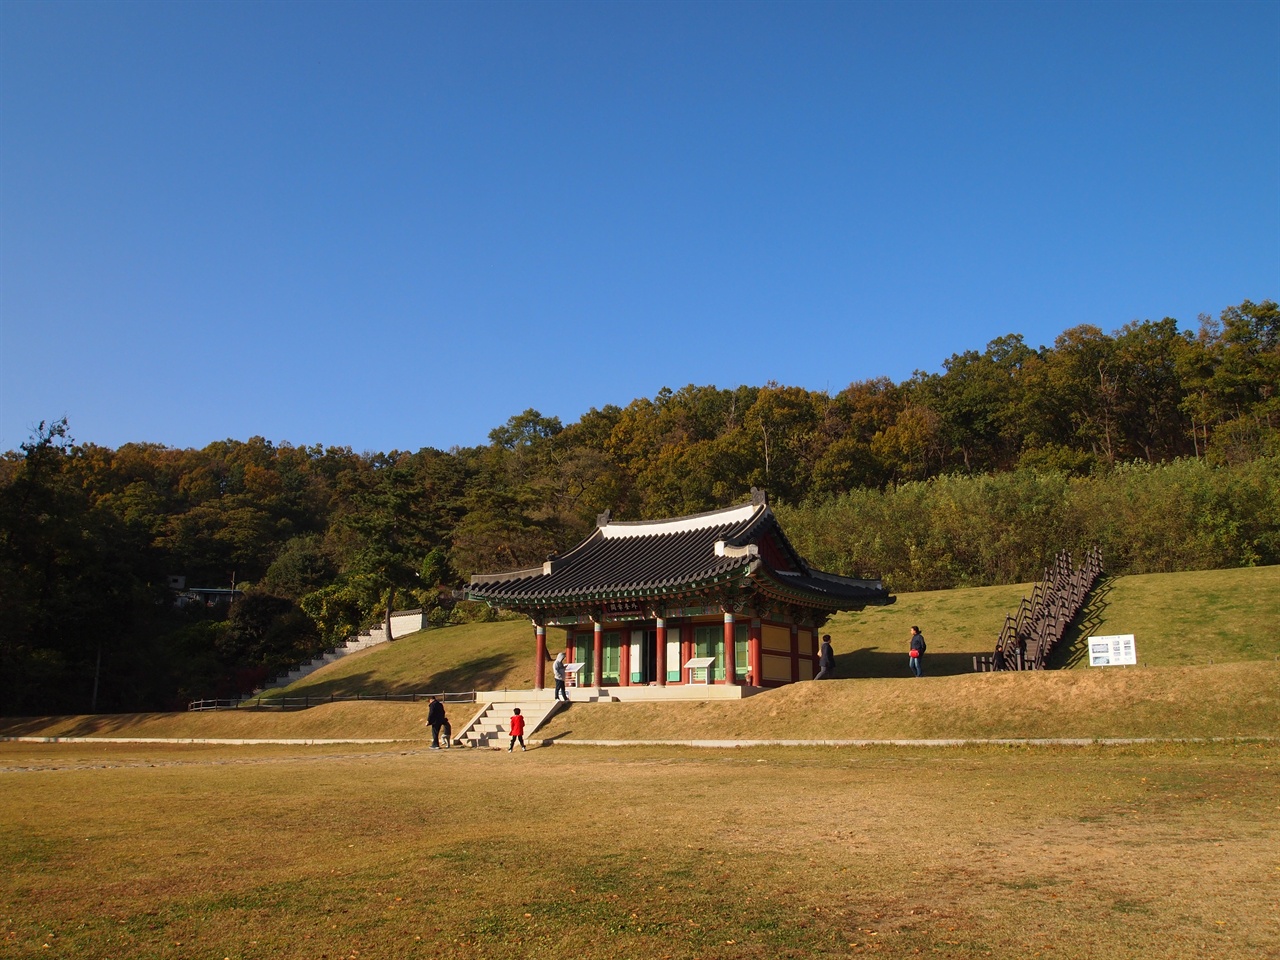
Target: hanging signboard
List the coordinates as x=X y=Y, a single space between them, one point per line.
x=1112 y=651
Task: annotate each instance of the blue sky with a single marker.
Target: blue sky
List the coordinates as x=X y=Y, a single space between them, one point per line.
x=395 y=226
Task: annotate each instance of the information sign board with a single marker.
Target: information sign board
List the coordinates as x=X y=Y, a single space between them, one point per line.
x=700 y=663
x=1112 y=651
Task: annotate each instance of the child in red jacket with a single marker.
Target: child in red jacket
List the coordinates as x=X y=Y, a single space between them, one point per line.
x=517 y=730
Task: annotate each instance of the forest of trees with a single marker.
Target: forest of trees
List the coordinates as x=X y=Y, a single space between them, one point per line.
x=1162 y=446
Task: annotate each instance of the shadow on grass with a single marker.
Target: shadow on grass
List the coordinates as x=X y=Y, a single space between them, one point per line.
x=478 y=673
x=1074 y=647
x=872 y=662
x=123 y=724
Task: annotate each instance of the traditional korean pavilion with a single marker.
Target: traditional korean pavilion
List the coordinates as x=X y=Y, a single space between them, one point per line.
x=638 y=601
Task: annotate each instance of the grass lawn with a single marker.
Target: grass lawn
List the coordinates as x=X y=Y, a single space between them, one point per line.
x=360 y=851
x=310 y=852
x=1179 y=619
x=1222 y=700
x=472 y=656
x=1228 y=700
x=1209 y=643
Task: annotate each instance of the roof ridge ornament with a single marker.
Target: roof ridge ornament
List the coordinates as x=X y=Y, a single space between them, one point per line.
x=759 y=498
x=603 y=519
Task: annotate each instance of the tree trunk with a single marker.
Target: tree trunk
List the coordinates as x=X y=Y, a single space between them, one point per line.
x=391 y=599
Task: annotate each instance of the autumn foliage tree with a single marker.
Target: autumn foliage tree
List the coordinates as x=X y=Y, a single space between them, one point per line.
x=1160 y=444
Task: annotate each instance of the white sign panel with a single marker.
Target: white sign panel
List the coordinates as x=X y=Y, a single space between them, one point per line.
x=1112 y=651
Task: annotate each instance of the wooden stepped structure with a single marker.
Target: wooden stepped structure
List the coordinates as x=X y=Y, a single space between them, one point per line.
x=1029 y=636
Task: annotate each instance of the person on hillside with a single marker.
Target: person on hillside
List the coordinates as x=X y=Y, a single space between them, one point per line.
x=436 y=719
x=915 y=655
x=826 y=659
x=516 y=726
x=557 y=670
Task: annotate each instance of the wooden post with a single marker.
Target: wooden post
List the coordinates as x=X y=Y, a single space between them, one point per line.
x=754 y=656
x=540 y=656
x=795 y=654
x=730 y=653
x=597 y=668
x=661 y=658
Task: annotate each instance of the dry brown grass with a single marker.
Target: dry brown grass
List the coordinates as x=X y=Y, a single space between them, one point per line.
x=349 y=720
x=1225 y=700
x=179 y=851
x=175 y=851
x=1228 y=700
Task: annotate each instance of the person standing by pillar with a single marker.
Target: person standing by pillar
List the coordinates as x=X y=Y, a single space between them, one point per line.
x=915 y=655
x=557 y=671
x=826 y=659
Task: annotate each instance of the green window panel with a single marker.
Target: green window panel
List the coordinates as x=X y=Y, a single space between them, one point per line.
x=612 y=656
x=708 y=641
x=583 y=652
x=741 y=650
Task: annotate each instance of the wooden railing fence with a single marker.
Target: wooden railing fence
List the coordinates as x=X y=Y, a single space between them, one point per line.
x=1030 y=634
x=314 y=700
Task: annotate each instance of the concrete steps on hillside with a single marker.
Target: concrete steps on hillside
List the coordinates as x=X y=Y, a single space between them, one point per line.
x=370 y=638
x=403 y=623
x=490 y=728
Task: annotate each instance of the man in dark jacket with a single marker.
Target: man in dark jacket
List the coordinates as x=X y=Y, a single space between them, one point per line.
x=826 y=659
x=436 y=719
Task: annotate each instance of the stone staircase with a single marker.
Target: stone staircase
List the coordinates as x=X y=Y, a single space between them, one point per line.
x=490 y=727
x=403 y=623
x=363 y=641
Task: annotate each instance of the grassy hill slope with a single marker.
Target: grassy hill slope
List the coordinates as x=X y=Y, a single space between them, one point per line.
x=1208 y=642
x=473 y=656
x=1223 y=700
x=1178 y=619
x=1220 y=701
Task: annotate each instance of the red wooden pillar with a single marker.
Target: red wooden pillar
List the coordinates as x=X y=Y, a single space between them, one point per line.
x=730 y=650
x=540 y=656
x=661 y=659
x=624 y=660
x=754 y=656
x=686 y=651
x=795 y=654
x=597 y=680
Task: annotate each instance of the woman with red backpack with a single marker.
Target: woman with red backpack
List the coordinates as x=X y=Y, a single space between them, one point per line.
x=915 y=656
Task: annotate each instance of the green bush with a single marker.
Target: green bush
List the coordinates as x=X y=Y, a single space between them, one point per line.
x=990 y=529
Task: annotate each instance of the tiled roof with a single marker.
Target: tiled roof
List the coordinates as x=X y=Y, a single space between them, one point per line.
x=668 y=557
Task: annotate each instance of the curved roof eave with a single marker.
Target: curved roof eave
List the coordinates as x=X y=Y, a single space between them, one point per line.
x=611 y=593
